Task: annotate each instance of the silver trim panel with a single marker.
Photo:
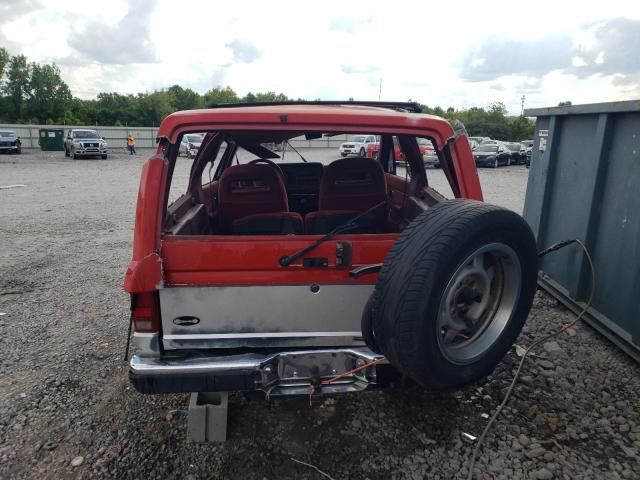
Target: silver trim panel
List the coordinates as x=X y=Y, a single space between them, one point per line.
x=281 y=316
x=209 y=336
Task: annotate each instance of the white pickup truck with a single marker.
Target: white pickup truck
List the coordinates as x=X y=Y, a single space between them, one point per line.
x=357 y=145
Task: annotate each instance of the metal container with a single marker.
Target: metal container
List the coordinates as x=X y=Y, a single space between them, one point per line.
x=584 y=183
x=51 y=139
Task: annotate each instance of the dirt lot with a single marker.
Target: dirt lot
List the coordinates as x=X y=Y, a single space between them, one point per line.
x=67 y=410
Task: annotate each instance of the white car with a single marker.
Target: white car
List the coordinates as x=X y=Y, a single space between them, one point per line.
x=190 y=144
x=357 y=145
x=481 y=140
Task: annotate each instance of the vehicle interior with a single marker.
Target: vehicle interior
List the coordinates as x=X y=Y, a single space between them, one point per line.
x=258 y=183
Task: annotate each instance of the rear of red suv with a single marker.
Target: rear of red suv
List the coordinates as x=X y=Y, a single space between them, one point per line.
x=265 y=273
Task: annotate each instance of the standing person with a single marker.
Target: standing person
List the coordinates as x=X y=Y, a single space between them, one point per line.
x=131 y=145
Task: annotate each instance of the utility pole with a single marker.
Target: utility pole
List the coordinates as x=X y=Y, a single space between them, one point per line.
x=380 y=89
x=524 y=97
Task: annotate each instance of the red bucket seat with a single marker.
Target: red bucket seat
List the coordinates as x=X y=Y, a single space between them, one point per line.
x=253 y=201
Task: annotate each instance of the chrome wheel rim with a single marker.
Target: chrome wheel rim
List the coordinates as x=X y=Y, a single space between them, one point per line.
x=478 y=302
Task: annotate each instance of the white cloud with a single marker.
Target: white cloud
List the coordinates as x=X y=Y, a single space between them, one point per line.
x=244 y=51
x=578 y=62
x=126 y=42
x=336 y=50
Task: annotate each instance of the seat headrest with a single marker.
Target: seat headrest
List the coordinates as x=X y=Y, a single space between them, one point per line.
x=249 y=190
x=347 y=179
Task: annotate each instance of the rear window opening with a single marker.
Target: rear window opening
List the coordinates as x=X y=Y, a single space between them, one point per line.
x=300 y=183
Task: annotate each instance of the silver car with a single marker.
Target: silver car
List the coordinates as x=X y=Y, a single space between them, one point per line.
x=84 y=143
x=190 y=144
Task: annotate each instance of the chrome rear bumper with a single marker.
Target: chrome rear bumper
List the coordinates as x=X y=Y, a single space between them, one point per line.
x=299 y=372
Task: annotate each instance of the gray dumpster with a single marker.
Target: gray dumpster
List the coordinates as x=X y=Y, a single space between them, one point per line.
x=584 y=183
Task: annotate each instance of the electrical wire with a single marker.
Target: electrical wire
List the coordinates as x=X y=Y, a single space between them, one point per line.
x=355 y=370
x=329 y=381
x=493 y=418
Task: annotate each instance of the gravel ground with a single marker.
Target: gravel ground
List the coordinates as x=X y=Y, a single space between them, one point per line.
x=67 y=410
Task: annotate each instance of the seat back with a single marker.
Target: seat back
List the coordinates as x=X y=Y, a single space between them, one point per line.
x=281 y=223
x=249 y=190
x=355 y=184
x=324 y=221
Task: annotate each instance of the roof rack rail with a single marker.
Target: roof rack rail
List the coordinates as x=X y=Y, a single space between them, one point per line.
x=413 y=107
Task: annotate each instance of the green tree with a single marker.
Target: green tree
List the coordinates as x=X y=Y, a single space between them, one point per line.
x=16 y=85
x=68 y=118
x=497 y=112
x=33 y=93
x=83 y=112
x=521 y=128
x=153 y=107
x=264 y=97
x=48 y=96
x=112 y=107
x=219 y=95
x=491 y=122
x=185 y=98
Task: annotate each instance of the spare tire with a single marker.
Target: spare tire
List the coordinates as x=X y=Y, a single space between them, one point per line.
x=454 y=292
x=367 y=326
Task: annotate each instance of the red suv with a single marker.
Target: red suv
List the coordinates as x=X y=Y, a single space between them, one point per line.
x=295 y=276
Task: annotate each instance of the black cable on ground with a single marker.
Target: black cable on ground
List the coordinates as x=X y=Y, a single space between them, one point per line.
x=495 y=415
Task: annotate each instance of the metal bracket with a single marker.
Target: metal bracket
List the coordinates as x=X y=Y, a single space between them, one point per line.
x=365 y=270
x=343 y=253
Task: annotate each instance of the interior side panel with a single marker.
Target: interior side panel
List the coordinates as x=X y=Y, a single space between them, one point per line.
x=210 y=196
x=398 y=187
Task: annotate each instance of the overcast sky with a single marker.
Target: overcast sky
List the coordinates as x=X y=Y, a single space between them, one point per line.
x=459 y=54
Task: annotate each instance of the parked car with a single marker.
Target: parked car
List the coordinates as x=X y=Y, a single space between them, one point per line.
x=357 y=145
x=528 y=145
x=424 y=145
x=190 y=145
x=84 y=143
x=431 y=160
x=518 y=153
x=10 y=142
x=492 y=155
x=373 y=150
x=480 y=140
x=429 y=156
x=299 y=278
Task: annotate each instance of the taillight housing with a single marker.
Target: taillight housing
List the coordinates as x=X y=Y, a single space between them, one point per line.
x=145 y=312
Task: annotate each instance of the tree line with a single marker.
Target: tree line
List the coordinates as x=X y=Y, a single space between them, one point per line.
x=492 y=121
x=35 y=93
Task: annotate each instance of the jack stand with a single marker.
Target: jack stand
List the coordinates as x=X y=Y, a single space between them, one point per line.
x=207 y=417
